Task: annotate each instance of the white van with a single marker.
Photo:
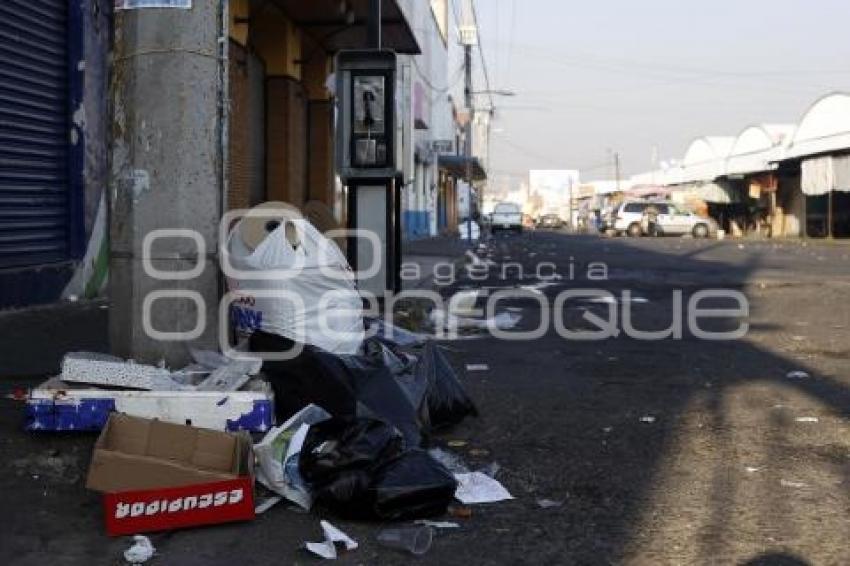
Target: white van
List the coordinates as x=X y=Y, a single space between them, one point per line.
x=671 y=221
x=506 y=216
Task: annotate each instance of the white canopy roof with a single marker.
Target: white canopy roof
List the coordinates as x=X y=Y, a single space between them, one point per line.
x=824 y=128
x=757 y=148
x=705 y=159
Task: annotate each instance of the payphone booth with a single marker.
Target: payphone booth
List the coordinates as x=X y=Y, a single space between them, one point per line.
x=366 y=162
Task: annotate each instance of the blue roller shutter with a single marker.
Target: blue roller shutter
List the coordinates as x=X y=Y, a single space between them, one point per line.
x=34 y=132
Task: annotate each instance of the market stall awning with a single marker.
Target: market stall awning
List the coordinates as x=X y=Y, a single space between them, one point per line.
x=335 y=29
x=458 y=165
x=647 y=191
x=821 y=175
x=706 y=192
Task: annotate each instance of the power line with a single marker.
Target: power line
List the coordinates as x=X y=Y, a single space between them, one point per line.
x=439 y=90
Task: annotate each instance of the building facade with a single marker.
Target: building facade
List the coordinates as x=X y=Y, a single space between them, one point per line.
x=53 y=149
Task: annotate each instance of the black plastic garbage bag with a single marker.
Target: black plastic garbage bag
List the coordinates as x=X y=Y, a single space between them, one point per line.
x=336 y=446
x=448 y=402
x=403 y=367
x=359 y=469
x=345 y=386
x=339 y=458
x=411 y=486
x=304 y=379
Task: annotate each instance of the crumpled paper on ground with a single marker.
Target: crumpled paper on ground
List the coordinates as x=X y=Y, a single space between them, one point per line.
x=327 y=548
x=141 y=551
x=478 y=487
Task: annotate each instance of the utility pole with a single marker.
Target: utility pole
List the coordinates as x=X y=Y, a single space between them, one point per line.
x=617 y=169
x=468 y=38
x=162 y=187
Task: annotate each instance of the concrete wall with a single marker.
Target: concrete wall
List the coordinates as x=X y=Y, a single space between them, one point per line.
x=427 y=83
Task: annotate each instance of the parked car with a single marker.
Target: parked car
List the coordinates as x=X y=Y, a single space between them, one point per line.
x=506 y=216
x=670 y=220
x=550 y=221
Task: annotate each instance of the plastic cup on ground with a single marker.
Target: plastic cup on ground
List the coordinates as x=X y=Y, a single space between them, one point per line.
x=414 y=539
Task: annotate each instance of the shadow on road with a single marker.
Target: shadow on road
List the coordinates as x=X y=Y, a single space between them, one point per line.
x=723 y=469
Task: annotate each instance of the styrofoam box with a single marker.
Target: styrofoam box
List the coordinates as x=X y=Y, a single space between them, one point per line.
x=59 y=406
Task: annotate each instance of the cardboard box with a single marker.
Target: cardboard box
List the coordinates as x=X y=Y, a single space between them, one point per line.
x=160 y=476
x=58 y=406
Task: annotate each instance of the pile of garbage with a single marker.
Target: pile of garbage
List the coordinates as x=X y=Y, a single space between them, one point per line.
x=359 y=402
x=358 y=446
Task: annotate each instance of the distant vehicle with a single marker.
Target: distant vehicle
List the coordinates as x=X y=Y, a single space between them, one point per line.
x=506 y=216
x=670 y=221
x=550 y=221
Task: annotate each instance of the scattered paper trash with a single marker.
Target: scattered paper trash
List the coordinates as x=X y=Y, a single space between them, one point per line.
x=806 y=419
x=647 y=419
x=537 y=288
x=231 y=376
x=477 y=367
x=267 y=504
x=333 y=536
x=797 y=374
x=477 y=487
x=141 y=551
x=548 y=503
x=449 y=321
x=413 y=539
x=794 y=484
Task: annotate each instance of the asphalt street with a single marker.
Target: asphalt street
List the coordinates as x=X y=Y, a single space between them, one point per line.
x=666 y=451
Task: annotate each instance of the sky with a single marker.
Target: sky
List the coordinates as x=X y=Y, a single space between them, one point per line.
x=645 y=77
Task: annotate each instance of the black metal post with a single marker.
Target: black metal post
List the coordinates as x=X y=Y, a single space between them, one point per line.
x=374 y=25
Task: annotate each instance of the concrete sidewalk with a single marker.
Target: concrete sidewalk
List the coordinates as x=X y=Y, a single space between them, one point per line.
x=33 y=340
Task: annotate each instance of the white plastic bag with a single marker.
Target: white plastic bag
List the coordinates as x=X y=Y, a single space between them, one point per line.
x=277 y=456
x=305 y=293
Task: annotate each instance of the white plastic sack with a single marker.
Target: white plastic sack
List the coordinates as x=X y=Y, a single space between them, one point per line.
x=278 y=453
x=305 y=293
